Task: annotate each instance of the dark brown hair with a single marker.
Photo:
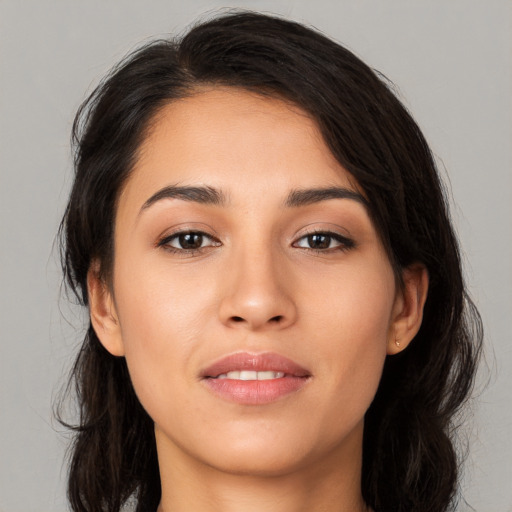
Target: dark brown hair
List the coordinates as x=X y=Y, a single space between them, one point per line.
x=409 y=460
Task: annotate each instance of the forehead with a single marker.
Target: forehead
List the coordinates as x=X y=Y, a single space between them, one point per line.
x=232 y=139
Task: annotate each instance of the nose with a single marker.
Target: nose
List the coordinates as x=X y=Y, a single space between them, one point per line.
x=258 y=293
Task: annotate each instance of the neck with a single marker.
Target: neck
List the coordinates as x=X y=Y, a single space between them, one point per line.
x=323 y=486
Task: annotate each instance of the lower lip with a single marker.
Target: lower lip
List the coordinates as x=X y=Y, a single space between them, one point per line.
x=255 y=392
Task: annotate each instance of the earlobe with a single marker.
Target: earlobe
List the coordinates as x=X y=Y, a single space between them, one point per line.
x=103 y=312
x=408 y=308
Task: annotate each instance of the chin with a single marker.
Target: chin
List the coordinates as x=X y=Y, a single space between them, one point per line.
x=277 y=451
x=272 y=462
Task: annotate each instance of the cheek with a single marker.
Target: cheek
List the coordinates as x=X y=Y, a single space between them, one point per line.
x=161 y=319
x=356 y=305
x=158 y=306
x=352 y=333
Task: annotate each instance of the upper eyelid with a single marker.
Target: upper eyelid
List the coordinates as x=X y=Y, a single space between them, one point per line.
x=341 y=233
x=176 y=234
x=184 y=229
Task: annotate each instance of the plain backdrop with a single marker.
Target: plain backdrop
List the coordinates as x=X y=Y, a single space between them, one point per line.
x=452 y=63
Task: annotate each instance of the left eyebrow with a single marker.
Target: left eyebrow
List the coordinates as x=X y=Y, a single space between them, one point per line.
x=306 y=197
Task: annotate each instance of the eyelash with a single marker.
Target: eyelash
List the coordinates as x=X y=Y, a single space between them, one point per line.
x=345 y=243
x=165 y=242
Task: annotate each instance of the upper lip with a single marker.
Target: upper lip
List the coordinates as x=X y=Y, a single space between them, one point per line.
x=267 y=361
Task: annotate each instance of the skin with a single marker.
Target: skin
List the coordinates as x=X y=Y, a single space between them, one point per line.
x=254 y=285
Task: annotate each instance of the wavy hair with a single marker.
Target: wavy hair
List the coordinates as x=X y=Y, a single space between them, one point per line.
x=410 y=463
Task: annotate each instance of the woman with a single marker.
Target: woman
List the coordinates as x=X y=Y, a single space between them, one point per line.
x=278 y=315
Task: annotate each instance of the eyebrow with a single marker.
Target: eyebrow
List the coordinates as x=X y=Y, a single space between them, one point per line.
x=213 y=196
x=308 y=196
x=202 y=195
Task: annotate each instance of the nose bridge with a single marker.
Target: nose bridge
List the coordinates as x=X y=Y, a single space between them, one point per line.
x=256 y=295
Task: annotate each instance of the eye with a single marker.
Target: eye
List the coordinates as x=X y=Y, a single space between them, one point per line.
x=324 y=241
x=188 y=241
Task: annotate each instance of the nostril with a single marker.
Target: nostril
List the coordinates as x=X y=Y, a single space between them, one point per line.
x=276 y=319
x=237 y=319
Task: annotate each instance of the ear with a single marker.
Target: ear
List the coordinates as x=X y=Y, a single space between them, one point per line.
x=408 y=308
x=103 y=312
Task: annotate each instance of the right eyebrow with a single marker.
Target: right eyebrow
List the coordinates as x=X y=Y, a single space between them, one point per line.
x=202 y=195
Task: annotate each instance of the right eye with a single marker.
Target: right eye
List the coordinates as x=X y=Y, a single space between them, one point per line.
x=188 y=241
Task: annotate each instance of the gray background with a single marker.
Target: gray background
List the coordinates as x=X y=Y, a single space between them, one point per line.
x=452 y=63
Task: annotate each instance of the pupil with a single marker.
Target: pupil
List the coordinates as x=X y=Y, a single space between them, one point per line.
x=319 y=241
x=191 y=240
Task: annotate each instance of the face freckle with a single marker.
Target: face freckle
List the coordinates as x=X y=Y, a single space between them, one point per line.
x=214 y=258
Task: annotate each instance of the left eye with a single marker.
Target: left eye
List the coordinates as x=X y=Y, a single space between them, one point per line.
x=323 y=241
x=188 y=241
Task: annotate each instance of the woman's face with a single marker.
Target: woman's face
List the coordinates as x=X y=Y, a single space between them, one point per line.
x=241 y=245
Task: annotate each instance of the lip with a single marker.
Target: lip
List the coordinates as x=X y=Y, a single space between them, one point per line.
x=267 y=361
x=254 y=392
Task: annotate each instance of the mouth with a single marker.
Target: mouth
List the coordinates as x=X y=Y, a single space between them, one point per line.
x=250 y=375
x=254 y=379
